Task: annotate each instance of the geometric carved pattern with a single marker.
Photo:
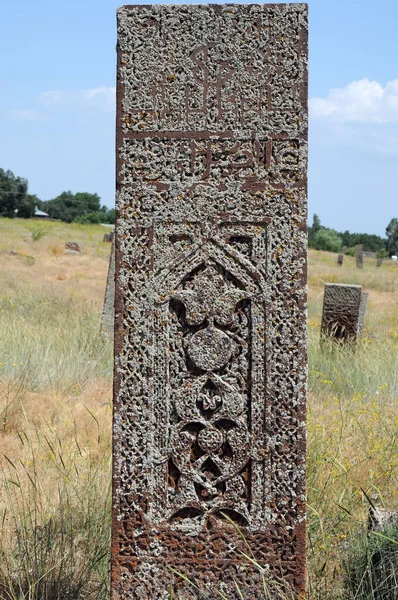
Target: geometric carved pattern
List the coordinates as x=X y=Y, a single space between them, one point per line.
x=210 y=346
x=344 y=308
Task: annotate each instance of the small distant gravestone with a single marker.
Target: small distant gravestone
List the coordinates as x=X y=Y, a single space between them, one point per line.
x=108 y=237
x=379 y=262
x=108 y=311
x=359 y=256
x=72 y=248
x=344 y=308
x=340 y=259
x=344 y=249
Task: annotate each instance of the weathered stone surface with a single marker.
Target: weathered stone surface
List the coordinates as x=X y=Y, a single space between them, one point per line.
x=379 y=262
x=75 y=246
x=108 y=310
x=380 y=518
x=362 y=312
x=340 y=259
x=359 y=256
x=108 y=237
x=344 y=308
x=210 y=347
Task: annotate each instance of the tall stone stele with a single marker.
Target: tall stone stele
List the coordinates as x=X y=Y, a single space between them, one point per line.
x=359 y=256
x=210 y=373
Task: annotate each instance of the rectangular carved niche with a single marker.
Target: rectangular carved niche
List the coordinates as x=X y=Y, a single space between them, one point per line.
x=210 y=346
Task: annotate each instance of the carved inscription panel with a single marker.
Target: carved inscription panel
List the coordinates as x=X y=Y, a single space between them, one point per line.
x=227 y=69
x=210 y=347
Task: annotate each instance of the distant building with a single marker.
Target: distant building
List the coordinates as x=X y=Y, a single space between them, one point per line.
x=39 y=214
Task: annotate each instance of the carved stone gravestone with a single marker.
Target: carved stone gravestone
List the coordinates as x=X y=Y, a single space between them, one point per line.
x=340 y=259
x=210 y=347
x=108 y=310
x=362 y=312
x=344 y=249
x=359 y=256
x=72 y=248
x=344 y=308
x=379 y=262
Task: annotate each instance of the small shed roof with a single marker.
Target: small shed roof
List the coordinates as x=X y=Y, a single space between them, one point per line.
x=40 y=213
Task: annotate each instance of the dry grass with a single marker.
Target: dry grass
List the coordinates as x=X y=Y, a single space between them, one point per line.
x=55 y=401
x=55 y=414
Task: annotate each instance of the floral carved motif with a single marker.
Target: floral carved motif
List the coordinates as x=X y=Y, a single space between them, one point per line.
x=210 y=443
x=210 y=312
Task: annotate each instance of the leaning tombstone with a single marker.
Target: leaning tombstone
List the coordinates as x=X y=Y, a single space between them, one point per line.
x=359 y=256
x=108 y=310
x=344 y=308
x=340 y=259
x=379 y=262
x=210 y=346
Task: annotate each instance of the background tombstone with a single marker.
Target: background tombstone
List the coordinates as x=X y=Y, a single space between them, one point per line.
x=340 y=259
x=72 y=248
x=344 y=250
x=379 y=262
x=344 y=308
x=108 y=310
x=362 y=312
x=210 y=346
x=108 y=237
x=359 y=256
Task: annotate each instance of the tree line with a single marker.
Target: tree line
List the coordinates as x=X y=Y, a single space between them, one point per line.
x=85 y=207
x=82 y=207
x=324 y=238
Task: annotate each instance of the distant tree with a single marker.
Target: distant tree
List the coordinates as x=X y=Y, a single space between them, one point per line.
x=313 y=230
x=392 y=237
x=327 y=239
x=13 y=192
x=382 y=253
x=111 y=216
x=105 y=215
x=68 y=206
x=316 y=223
x=26 y=208
x=370 y=242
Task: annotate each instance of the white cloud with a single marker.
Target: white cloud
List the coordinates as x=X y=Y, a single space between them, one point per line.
x=360 y=101
x=103 y=98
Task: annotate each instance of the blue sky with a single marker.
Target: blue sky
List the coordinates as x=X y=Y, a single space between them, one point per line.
x=57 y=104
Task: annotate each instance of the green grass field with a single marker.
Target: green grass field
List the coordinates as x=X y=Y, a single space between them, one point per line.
x=55 y=416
